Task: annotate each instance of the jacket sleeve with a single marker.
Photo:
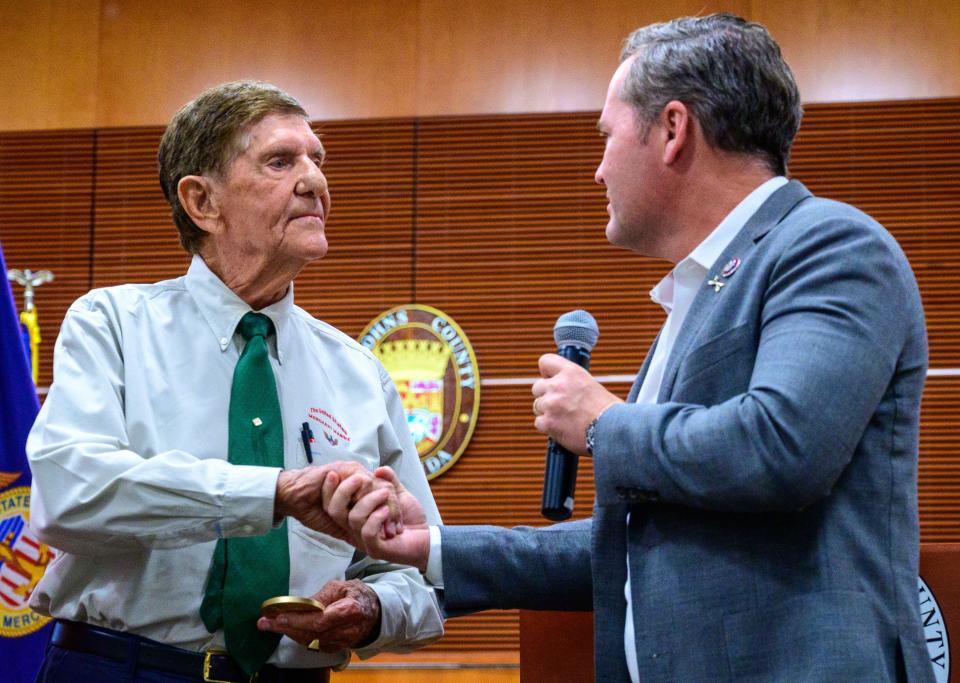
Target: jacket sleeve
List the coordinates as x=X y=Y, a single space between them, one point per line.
x=839 y=305
x=488 y=567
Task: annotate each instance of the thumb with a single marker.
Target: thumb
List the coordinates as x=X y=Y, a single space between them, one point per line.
x=550 y=364
x=388 y=475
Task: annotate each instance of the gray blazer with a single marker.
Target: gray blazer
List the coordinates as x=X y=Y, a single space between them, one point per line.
x=771 y=491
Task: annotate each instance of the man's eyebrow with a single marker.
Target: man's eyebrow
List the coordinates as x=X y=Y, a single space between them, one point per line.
x=282 y=148
x=286 y=149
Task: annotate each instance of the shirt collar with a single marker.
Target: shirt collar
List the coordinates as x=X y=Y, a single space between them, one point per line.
x=708 y=251
x=222 y=308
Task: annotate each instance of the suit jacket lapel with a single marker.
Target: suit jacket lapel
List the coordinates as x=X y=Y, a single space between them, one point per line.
x=771 y=212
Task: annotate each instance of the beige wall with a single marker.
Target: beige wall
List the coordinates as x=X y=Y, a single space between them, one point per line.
x=97 y=63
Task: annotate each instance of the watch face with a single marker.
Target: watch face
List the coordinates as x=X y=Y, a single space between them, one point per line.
x=591 y=435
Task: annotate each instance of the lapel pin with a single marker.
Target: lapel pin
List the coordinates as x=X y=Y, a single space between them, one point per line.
x=731 y=267
x=257 y=422
x=715 y=283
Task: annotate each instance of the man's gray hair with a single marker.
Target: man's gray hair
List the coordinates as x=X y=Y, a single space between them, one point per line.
x=207 y=134
x=728 y=71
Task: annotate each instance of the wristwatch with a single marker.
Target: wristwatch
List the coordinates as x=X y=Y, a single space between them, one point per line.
x=592 y=435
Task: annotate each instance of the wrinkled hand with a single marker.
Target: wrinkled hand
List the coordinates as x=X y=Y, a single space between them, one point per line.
x=367 y=521
x=568 y=399
x=351 y=617
x=300 y=495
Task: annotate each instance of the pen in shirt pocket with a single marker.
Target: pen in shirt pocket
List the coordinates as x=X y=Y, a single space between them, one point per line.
x=306 y=435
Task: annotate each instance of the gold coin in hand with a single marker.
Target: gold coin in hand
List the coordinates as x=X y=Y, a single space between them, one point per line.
x=287 y=604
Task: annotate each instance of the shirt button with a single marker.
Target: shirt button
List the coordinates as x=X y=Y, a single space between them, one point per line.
x=248 y=528
x=224 y=341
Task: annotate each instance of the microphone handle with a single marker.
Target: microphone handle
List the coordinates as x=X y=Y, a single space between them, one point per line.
x=560 y=477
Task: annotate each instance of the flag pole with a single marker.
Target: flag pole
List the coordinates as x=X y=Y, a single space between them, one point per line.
x=30 y=280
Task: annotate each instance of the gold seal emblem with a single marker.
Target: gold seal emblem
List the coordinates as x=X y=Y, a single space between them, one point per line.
x=435 y=369
x=23 y=560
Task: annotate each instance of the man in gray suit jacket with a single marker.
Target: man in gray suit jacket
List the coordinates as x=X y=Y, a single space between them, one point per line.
x=756 y=505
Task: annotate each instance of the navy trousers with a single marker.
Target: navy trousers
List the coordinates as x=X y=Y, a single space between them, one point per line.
x=68 y=666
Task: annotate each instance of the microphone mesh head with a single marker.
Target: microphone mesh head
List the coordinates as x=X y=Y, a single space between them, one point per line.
x=576 y=328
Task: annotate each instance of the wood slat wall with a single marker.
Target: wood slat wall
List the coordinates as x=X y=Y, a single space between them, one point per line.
x=46 y=200
x=106 y=63
x=496 y=221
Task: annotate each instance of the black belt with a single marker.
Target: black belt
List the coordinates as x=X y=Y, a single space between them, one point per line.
x=203 y=666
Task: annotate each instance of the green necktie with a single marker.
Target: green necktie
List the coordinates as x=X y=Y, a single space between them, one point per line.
x=246 y=571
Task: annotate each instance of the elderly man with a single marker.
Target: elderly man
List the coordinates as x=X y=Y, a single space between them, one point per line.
x=172 y=458
x=756 y=509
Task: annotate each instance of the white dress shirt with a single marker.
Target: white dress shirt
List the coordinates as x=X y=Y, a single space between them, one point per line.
x=130 y=472
x=675 y=293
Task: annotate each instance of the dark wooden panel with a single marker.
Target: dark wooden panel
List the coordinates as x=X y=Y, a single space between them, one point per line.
x=46 y=189
x=496 y=220
x=133 y=235
x=78 y=63
x=939 y=476
x=369 y=267
x=510 y=234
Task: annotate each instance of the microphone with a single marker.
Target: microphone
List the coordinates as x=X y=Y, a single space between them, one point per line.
x=575 y=333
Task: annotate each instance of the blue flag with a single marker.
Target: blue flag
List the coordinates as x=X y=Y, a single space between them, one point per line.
x=23 y=633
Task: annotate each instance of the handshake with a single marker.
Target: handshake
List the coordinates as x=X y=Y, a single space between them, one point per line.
x=369 y=510
x=373 y=512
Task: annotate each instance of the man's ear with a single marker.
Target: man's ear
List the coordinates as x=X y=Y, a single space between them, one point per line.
x=677 y=123
x=196 y=197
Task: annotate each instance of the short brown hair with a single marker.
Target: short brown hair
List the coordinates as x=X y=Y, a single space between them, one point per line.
x=729 y=71
x=207 y=134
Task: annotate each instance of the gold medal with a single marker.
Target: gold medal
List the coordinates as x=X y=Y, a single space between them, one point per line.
x=285 y=604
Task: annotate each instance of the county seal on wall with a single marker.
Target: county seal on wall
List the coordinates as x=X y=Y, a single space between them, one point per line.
x=435 y=369
x=23 y=559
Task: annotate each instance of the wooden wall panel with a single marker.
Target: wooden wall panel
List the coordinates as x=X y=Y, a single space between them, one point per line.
x=48 y=64
x=46 y=190
x=133 y=234
x=341 y=59
x=510 y=235
x=369 y=266
x=496 y=220
x=939 y=477
x=540 y=55
x=885 y=49
x=86 y=63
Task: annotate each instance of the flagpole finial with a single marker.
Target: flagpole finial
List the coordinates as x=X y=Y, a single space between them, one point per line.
x=29 y=280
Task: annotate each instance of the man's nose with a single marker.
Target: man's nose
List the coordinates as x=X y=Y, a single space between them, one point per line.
x=312 y=181
x=598 y=174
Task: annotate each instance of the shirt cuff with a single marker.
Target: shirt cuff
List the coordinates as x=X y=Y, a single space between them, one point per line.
x=248 y=500
x=434 y=573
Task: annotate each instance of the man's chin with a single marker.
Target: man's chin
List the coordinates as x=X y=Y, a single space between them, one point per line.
x=615 y=234
x=315 y=252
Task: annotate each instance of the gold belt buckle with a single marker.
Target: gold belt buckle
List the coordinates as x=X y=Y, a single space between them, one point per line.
x=206 y=666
